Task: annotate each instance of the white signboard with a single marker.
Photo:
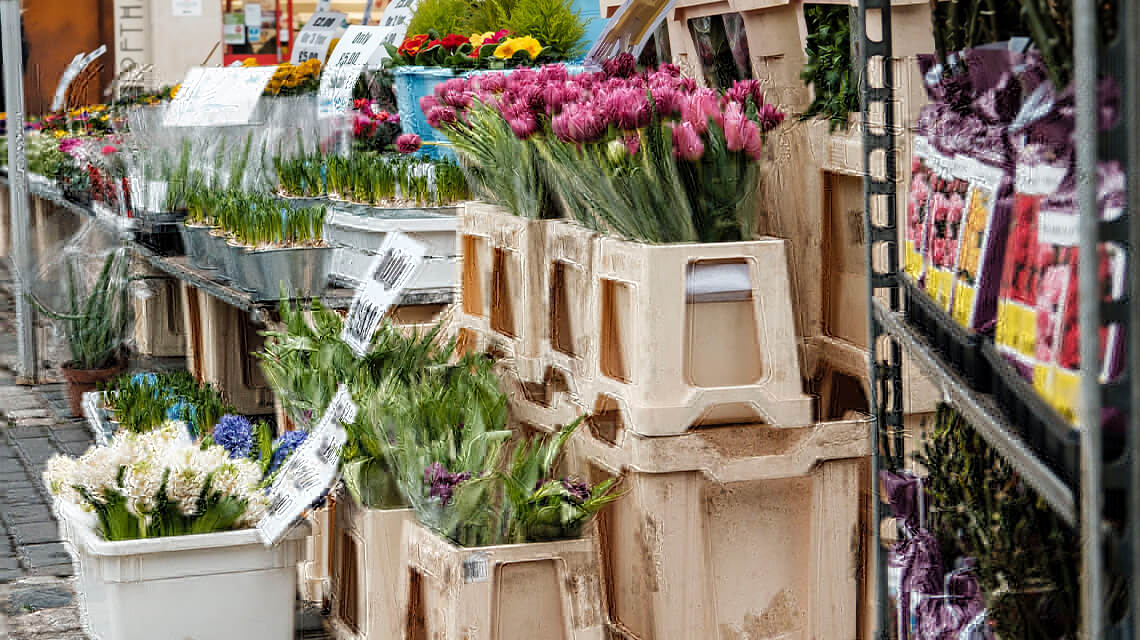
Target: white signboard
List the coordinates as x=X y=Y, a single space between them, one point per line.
x=132 y=41
x=309 y=472
x=315 y=37
x=397 y=262
x=233 y=31
x=74 y=68
x=218 y=96
x=186 y=8
x=629 y=29
x=395 y=21
x=359 y=48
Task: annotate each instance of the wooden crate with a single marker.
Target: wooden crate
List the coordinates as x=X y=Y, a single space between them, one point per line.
x=367 y=601
x=159 y=323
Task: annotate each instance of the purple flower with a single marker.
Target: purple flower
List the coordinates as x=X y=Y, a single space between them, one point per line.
x=667 y=100
x=578 y=122
x=628 y=109
x=577 y=491
x=408 y=143
x=235 y=434
x=632 y=143
x=457 y=99
x=553 y=73
x=687 y=142
x=744 y=90
x=284 y=446
x=623 y=65
x=427 y=103
x=770 y=117
x=490 y=82
x=442 y=483
x=523 y=125
x=440 y=115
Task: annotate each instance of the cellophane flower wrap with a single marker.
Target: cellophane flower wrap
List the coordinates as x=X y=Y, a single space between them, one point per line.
x=646 y=156
x=157 y=484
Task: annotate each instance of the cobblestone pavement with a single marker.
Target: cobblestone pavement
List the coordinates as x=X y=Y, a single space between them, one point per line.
x=37 y=596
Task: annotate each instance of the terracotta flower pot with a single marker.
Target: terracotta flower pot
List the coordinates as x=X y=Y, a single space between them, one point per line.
x=80 y=381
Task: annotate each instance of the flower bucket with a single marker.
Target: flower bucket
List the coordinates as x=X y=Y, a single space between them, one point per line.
x=232 y=264
x=194 y=239
x=549 y=590
x=297 y=270
x=412 y=83
x=216 y=251
x=215 y=586
x=99 y=417
x=358 y=236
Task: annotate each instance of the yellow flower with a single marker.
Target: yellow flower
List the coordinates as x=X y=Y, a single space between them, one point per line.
x=249 y=62
x=477 y=39
x=530 y=45
x=174 y=90
x=332 y=46
x=312 y=65
x=59 y=133
x=506 y=50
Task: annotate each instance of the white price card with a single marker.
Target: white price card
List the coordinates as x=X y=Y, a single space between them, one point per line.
x=397 y=262
x=315 y=37
x=74 y=68
x=359 y=48
x=394 y=22
x=310 y=472
x=186 y=8
x=218 y=96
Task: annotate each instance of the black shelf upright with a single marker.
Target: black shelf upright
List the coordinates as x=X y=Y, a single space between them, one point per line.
x=1109 y=546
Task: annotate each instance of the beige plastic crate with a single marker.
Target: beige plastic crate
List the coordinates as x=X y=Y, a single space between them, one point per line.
x=670 y=358
x=501 y=276
x=735 y=532
x=570 y=343
x=159 y=328
x=366 y=599
x=220 y=341
x=314 y=573
x=549 y=590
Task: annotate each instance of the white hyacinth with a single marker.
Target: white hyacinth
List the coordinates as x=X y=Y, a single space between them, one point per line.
x=256 y=505
x=60 y=478
x=142 y=482
x=98 y=471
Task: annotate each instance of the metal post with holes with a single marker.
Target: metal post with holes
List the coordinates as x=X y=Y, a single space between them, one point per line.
x=18 y=186
x=880 y=220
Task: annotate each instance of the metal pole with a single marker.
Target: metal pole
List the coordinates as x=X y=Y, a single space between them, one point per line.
x=1085 y=72
x=1131 y=35
x=18 y=186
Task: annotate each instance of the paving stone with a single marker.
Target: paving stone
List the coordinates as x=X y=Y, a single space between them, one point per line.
x=76 y=449
x=26 y=599
x=10 y=575
x=35 y=532
x=36 y=422
x=22 y=515
x=45 y=555
x=11 y=466
x=73 y=433
x=49 y=623
x=61 y=570
x=21 y=401
x=38 y=412
x=28 y=432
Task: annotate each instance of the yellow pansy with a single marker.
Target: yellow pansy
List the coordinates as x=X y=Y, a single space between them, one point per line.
x=59 y=133
x=249 y=62
x=174 y=90
x=477 y=39
x=528 y=44
x=507 y=49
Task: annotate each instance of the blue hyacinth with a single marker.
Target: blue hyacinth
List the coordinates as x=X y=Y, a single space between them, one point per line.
x=284 y=446
x=235 y=434
x=144 y=379
x=186 y=412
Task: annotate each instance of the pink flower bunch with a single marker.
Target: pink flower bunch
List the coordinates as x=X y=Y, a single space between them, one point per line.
x=614 y=104
x=366 y=118
x=71 y=146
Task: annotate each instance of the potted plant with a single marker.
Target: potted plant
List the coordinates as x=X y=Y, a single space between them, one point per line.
x=96 y=322
x=140 y=402
x=155 y=517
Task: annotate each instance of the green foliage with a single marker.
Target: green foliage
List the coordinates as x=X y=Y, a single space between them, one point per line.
x=141 y=402
x=375 y=179
x=488 y=16
x=97 y=318
x=830 y=69
x=1027 y=559
x=260 y=220
x=440 y=16
x=554 y=23
x=506 y=170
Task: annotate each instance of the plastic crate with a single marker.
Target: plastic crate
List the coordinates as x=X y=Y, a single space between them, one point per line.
x=961 y=347
x=411 y=84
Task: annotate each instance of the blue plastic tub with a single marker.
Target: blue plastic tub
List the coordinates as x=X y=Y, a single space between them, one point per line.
x=411 y=84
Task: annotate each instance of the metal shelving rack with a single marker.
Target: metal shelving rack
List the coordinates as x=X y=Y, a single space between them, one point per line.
x=890 y=336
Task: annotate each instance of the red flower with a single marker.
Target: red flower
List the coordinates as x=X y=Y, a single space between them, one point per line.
x=360 y=103
x=452 y=41
x=411 y=46
x=382 y=116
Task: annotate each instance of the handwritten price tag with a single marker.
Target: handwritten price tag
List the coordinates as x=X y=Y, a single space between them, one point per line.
x=315 y=37
x=310 y=472
x=357 y=50
x=218 y=96
x=397 y=262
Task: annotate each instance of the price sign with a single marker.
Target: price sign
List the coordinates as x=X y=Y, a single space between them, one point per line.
x=357 y=49
x=315 y=37
x=217 y=96
x=395 y=21
x=74 y=68
x=399 y=259
x=233 y=30
x=309 y=472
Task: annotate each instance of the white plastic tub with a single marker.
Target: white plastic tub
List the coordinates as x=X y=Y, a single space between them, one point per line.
x=357 y=233
x=217 y=586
